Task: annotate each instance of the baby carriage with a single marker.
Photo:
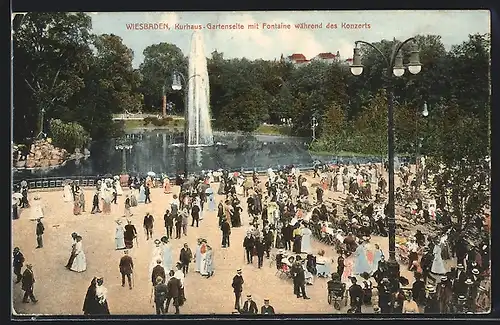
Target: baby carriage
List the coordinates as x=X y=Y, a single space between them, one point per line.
x=337 y=294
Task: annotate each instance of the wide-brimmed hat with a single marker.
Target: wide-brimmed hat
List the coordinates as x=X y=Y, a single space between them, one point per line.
x=475 y=271
x=469 y=282
x=460 y=266
x=157 y=241
x=164 y=239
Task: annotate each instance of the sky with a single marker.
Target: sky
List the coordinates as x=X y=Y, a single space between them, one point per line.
x=454 y=26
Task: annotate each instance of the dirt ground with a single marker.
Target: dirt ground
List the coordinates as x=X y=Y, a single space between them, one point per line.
x=62 y=292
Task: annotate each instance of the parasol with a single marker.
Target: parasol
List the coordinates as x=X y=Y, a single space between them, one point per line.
x=152 y=174
x=209 y=191
x=17 y=196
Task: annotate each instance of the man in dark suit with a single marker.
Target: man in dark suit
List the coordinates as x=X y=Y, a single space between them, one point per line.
x=459 y=284
x=126 y=268
x=39 y=233
x=261 y=248
x=148 y=225
x=173 y=292
x=418 y=290
x=195 y=214
x=147 y=193
x=249 y=307
x=267 y=309
x=158 y=271
x=27 y=284
x=95 y=204
x=238 y=288
x=248 y=244
x=299 y=279
x=169 y=223
x=185 y=258
x=18 y=260
x=356 y=295
x=226 y=231
x=161 y=292
x=287 y=236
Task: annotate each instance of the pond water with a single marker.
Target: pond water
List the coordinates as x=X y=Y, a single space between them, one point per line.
x=162 y=151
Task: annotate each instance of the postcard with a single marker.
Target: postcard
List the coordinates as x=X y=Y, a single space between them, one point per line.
x=241 y=163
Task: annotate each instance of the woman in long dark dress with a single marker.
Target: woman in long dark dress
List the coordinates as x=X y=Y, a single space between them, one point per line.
x=236 y=217
x=90 y=303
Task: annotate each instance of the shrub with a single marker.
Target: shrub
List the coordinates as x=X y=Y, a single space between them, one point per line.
x=68 y=135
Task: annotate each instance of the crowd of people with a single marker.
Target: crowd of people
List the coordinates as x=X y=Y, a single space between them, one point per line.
x=286 y=213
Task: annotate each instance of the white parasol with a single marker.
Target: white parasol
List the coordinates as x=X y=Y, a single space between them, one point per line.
x=152 y=174
x=17 y=196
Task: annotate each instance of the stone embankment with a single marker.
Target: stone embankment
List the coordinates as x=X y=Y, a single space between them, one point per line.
x=43 y=154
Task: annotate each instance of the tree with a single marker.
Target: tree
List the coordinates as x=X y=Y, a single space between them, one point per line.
x=160 y=61
x=372 y=124
x=69 y=136
x=459 y=165
x=111 y=86
x=51 y=51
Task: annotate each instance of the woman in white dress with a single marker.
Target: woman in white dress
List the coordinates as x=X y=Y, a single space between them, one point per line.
x=118 y=187
x=167 y=254
x=36 y=209
x=119 y=235
x=197 y=256
x=438 y=264
x=203 y=257
x=80 y=261
x=142 y=194
x=306 y=239
x=67 y=193
x=156 y=255
x=209 y=263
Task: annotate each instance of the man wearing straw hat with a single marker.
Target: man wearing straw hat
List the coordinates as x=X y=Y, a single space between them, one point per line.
x=432 y=304
x=126 y=268
x=237 y=288
x=249 y=307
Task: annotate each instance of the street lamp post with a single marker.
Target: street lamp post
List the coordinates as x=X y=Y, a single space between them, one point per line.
x=394 y=66
x=314 y=125
x=177 y=80
x=123 y=148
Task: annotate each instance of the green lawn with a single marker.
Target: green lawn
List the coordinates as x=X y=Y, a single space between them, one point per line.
x=341 y=153
x=139 y=124
x=273 y=130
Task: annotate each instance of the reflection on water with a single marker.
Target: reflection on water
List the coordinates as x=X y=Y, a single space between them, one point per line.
x=163 y=152
x=156 y=151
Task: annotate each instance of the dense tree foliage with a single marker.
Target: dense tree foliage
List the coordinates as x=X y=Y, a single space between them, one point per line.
x=63 y=71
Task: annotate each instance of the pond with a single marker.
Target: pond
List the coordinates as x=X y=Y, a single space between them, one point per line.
x=161 y=151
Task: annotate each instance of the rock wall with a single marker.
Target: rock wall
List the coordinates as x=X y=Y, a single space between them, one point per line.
x=42 y=154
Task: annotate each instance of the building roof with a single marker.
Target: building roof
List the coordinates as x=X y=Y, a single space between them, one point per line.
x=349 y=60
x=326 y=55
x=297 y=56
x=301 y=61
